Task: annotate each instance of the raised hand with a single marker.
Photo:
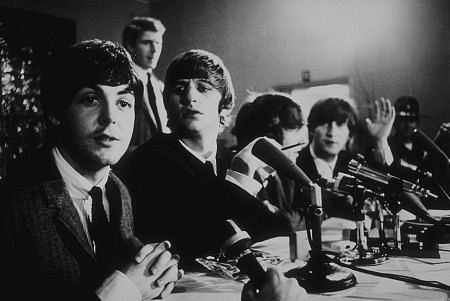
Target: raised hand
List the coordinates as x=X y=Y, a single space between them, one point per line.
x=381 y=120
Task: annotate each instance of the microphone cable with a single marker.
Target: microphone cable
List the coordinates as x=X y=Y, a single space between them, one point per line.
x=407 y=279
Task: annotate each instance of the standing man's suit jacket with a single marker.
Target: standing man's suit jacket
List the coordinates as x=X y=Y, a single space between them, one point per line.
x=175 y=197
x=45 y=250
x=144 y=123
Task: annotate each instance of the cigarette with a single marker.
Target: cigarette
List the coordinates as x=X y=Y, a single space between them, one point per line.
x=290 y=146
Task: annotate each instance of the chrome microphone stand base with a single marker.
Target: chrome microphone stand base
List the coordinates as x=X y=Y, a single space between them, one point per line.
x=321 y=276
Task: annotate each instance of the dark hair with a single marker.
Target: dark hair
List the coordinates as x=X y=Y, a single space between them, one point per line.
x=332 y=109
x=88 y=63
x=198 y=63
x=137 y=26
x=267 y=115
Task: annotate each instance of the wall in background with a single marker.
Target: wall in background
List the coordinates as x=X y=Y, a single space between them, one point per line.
x=29 y=31
x=95 y=18
x=387 y=47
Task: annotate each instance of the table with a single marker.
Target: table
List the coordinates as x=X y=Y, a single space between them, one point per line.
x=207 y=286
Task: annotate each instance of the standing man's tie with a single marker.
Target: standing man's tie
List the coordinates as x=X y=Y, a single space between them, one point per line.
x=99 y=227
x=152 y=101
x=209 y=167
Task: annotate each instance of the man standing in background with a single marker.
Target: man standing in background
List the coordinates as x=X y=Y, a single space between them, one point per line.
x=143 y=37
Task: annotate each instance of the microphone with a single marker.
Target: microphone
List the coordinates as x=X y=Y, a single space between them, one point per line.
x=428 y=144
x=386 y=181
x=347 y=184
x=269 y=154
x=237 y=247
x=409 y=199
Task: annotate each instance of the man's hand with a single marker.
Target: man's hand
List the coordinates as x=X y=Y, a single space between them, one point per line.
x=276 y=288
x=245 y=162
x=154 y=270
x=381 y=120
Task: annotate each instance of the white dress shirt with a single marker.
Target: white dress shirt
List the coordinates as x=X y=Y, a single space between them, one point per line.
x=117 y=286
x=324 y=168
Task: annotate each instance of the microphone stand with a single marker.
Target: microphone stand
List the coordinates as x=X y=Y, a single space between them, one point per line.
x=319 y=275
x=379 y=222
x=362 y=254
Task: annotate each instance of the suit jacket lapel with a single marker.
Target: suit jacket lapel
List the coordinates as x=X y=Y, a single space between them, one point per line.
x=67 y=214
x=119 y=206
x=188 y=161
x=307 y=164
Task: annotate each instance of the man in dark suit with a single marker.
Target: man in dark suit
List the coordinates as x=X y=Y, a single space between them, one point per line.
x=190 y=197
x=331 y=124
x=276 y=116
x=407 y=153
x=143 y=39
x=67 y=225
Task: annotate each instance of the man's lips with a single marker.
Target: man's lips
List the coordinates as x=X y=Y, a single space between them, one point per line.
x=190 y=112
x=105 y=138
x=330 y=142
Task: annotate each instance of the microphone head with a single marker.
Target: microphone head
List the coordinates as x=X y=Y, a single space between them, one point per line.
x=237 y=240
x=272 y=156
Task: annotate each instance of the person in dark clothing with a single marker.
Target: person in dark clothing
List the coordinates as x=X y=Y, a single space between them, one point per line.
x=143 y=39
x=66 y=224
x=412 y=161
x=275 y=116
x=178 y=181
x=331 y=123
x=408 y=155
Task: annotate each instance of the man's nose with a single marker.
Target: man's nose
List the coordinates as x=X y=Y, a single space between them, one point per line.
x=331 y=127
x=108 y=114
x=152 y=48
x=190 y=95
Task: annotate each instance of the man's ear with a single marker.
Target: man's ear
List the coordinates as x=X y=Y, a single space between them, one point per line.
x=224 y=118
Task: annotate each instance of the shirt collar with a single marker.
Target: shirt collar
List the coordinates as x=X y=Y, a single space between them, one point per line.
x=211 y=158
x=142 y=73
x=77 y=185
x=321 y=161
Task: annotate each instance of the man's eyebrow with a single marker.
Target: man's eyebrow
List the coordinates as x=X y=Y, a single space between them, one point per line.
x=206 y=81
x=182 y=80
x=96 y=88
x=127 y=90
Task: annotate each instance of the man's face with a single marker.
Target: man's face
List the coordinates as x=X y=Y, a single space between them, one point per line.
x=405 y=126
x=147 y=49
x=193 y=105
x=292 y=137
x=329 y=139
x=98 y=125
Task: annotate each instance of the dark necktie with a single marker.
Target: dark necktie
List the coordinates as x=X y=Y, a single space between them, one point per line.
x=152 y=101
x=99 y=227
x=209 y=167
